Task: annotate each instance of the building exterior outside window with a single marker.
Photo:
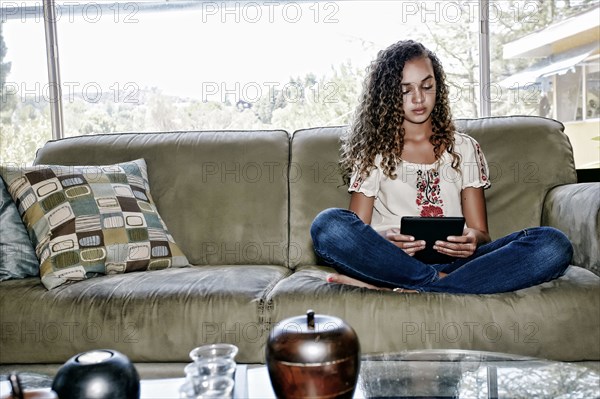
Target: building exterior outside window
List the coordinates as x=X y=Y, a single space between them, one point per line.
x=565 y=78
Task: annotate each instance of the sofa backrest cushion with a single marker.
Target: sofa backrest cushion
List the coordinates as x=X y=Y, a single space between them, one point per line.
x=223 y=195
x=527 y=157
x=315 y=184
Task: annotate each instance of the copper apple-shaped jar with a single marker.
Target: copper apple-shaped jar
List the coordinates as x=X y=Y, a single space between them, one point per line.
x=313 y=356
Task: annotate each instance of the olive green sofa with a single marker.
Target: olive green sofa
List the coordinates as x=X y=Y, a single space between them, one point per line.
x=240 y=203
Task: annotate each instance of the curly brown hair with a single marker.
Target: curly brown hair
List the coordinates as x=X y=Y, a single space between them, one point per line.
x=377 y=127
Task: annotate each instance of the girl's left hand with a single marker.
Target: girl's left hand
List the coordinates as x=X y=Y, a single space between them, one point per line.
x=458 y=246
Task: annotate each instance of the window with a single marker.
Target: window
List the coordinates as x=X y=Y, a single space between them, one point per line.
x=161 y=65
x=545 y=63
x=569 y=95
x=577 y=92
x=536 y=46
x=192 y=65
x=592 y=89
x=24 y=103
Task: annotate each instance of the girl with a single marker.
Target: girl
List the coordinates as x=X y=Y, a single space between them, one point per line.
x=402 y=157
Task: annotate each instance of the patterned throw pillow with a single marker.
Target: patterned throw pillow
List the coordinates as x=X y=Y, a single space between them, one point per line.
x=91 y=220
x=17 y=257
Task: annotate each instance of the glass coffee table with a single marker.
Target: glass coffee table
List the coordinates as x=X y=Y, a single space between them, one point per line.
x=473 y=375
x=460 y=374
x=423 y=374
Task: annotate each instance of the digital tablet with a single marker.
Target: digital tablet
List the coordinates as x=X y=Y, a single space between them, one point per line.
x=432 y=229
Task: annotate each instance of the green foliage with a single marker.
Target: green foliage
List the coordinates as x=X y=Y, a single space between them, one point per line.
x=326 y=102
x=7 y=101
x=19 y=140
x=4 y=66
x=303 y=102
x=24 y=125
x=455 y=41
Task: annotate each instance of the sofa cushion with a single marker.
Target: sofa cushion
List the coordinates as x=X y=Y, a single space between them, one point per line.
x=575 y=210
x=154 y=316
x=223 y=194
x=535 y=321
x=527 y=157
x=17 y=256
x=90 y=220
x=516 y=148
x=315 y=184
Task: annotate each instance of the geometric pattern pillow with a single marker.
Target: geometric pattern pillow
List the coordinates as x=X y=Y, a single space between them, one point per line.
x=86 y=221
x=17 y=256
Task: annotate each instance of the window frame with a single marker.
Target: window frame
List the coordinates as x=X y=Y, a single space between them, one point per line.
x=53 y=45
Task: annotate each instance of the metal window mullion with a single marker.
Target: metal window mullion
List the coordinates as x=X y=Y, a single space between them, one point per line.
x=56 y=113
x=583 y=92
x=485 y=106
x=554 y=97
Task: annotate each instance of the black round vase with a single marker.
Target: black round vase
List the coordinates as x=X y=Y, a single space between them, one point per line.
x=98 y=374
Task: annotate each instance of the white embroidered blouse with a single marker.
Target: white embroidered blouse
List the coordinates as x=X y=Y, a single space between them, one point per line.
x=423 y=189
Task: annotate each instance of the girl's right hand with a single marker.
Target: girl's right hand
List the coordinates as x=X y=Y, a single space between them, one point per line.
x=406 y=243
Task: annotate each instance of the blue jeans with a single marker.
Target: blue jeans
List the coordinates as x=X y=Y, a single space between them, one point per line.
x=519 y=260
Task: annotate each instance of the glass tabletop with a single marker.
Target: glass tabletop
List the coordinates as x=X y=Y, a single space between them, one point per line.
x=427 y=374
x=473 y=375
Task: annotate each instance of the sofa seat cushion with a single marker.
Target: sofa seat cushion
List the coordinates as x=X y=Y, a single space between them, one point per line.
x=154 y=316
x=535 y=321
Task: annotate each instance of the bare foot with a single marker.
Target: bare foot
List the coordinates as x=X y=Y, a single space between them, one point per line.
x=405 y=291
x=343 y=279
x=442 y=275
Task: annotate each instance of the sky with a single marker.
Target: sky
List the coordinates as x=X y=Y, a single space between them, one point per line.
x=191 y=52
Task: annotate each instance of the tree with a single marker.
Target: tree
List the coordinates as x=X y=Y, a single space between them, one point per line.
x=24 y=124
x=328 y=101
x=304 y=101
x=455 y=40
x=7 y=100
x=461 y=63
x=4 y=66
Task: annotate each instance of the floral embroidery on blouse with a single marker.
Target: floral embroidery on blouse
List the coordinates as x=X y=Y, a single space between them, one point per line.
x=357 y=183
x=429 y=199
x=481 y=163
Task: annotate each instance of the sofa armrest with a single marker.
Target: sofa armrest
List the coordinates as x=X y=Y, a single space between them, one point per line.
x=575 y=210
